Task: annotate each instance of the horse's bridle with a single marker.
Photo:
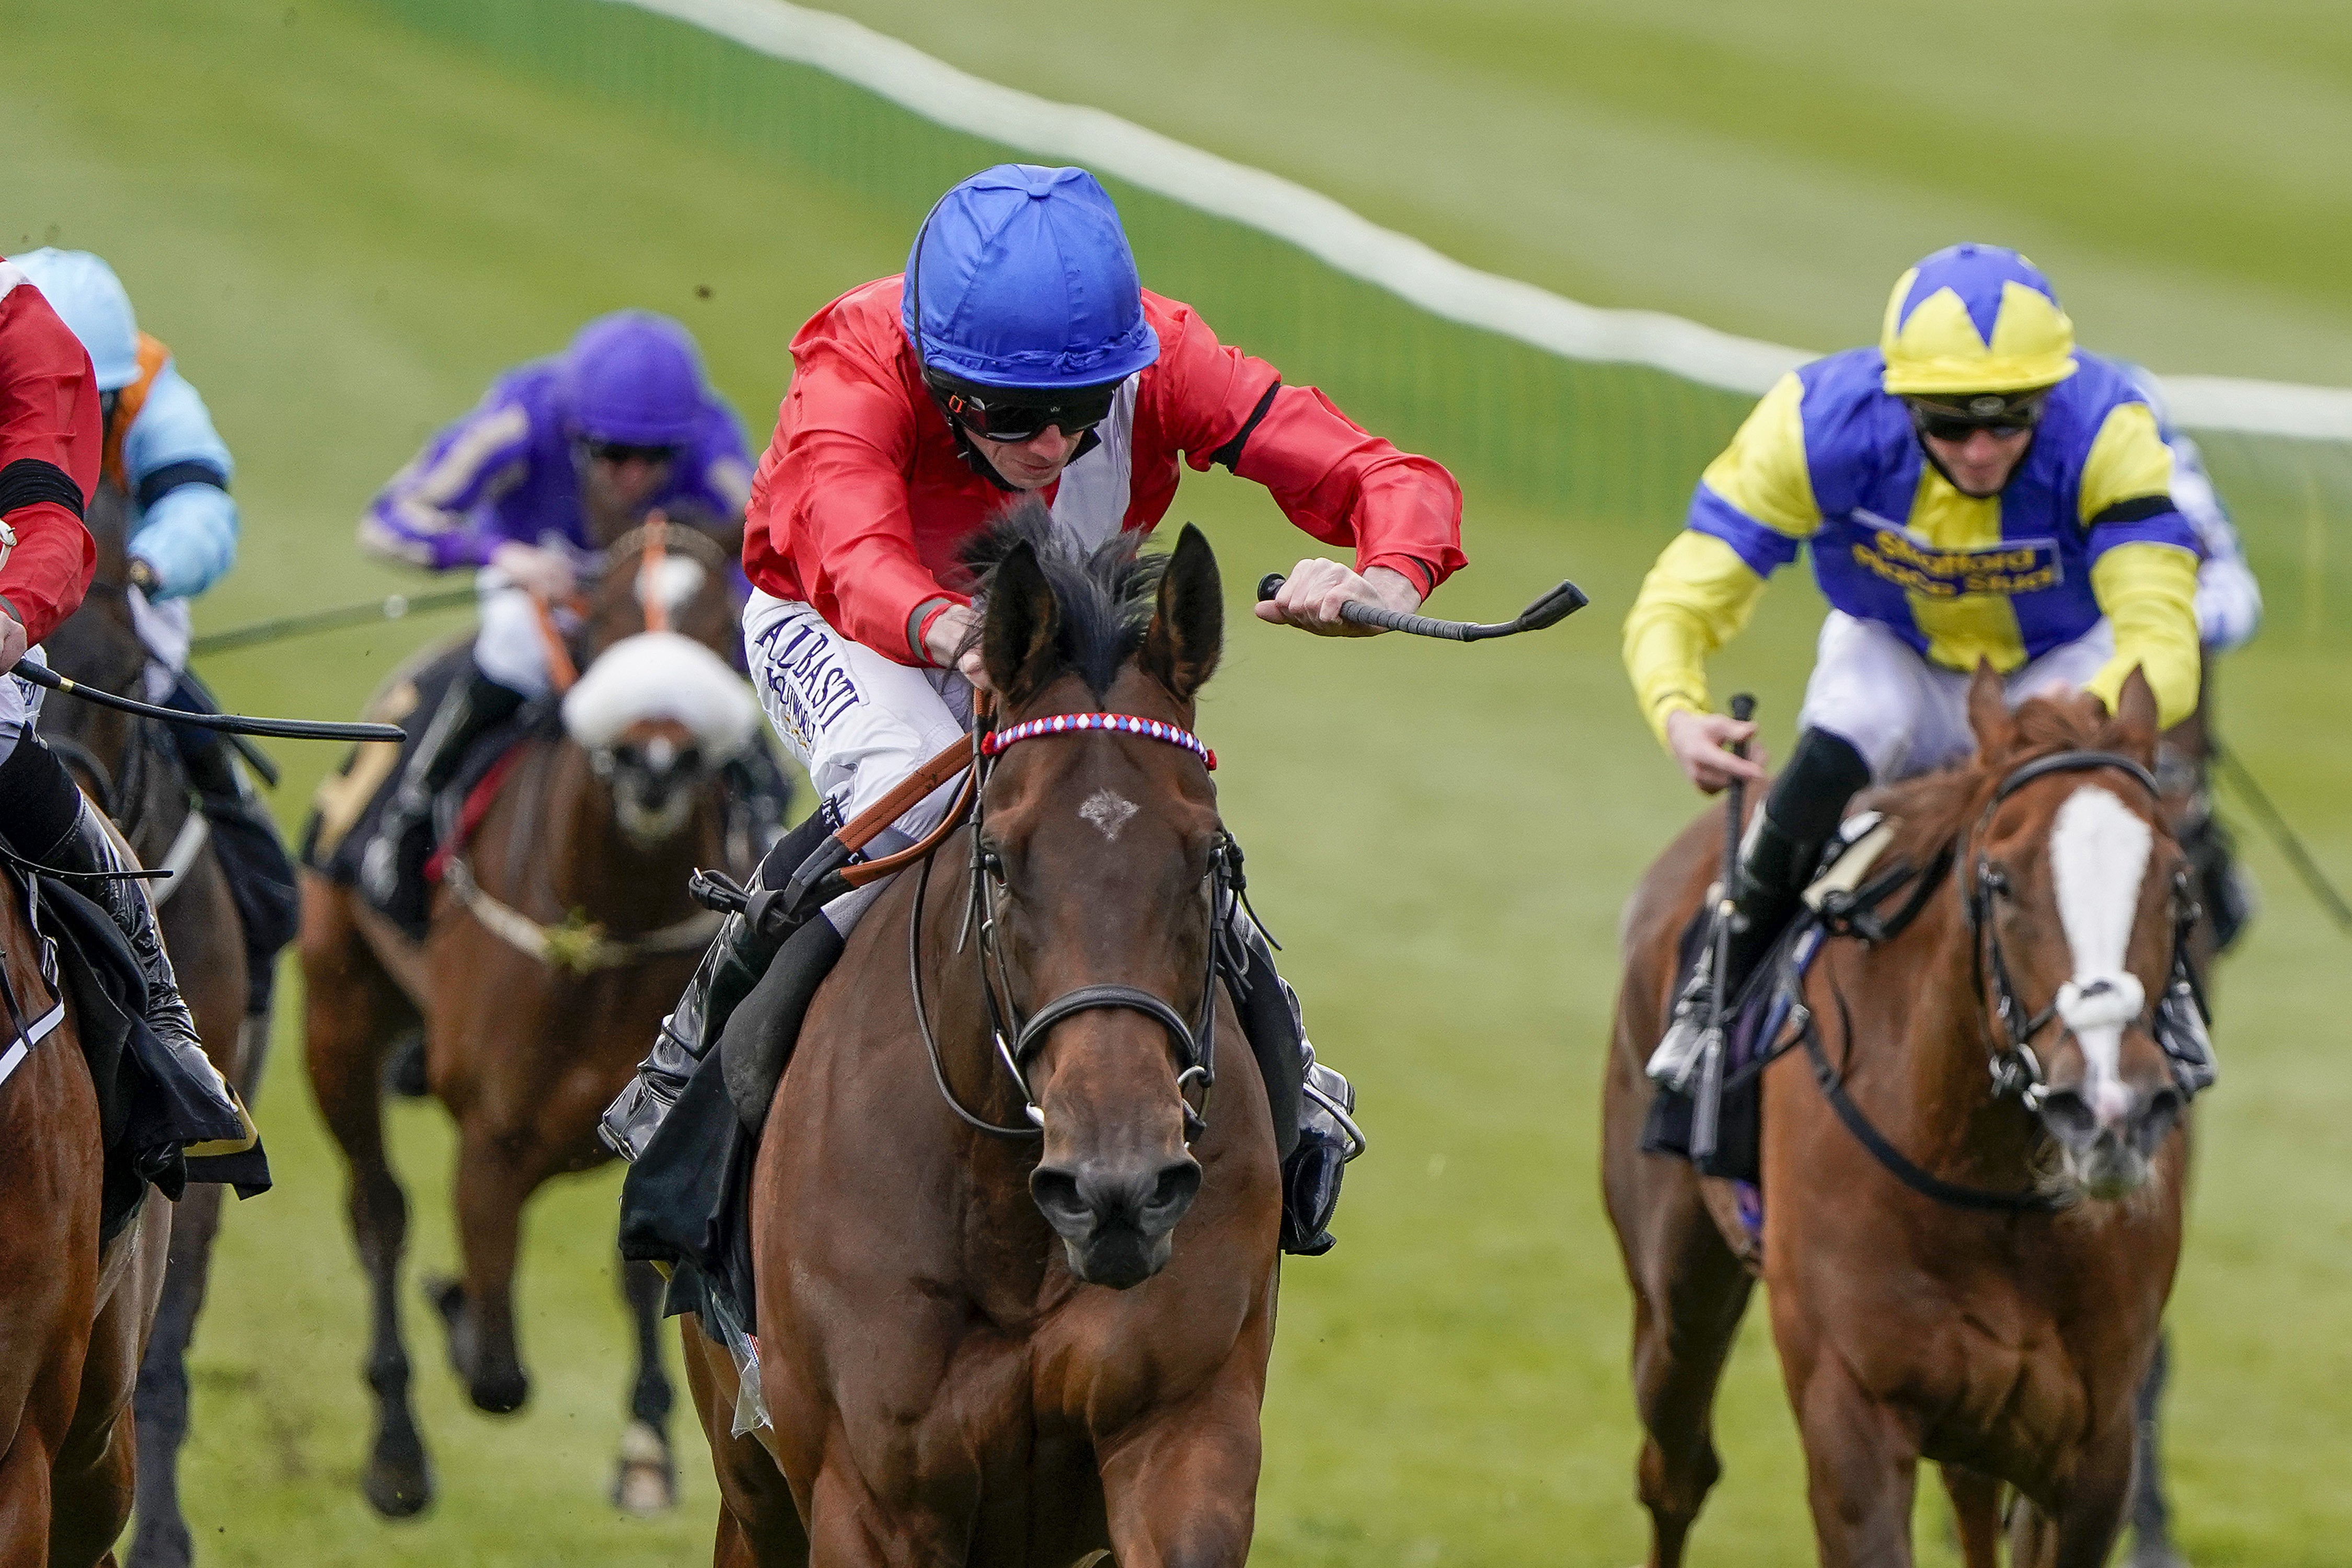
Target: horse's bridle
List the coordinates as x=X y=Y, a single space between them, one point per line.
x=2016 y=1069
x=1196 y=1043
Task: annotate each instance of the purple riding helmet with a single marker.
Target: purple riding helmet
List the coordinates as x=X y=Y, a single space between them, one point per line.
x=634 y=378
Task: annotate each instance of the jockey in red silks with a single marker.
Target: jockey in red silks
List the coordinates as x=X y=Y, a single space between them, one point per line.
x=52 y=440
x=1018 y=354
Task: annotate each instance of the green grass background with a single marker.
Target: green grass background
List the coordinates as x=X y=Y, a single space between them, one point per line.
x=345 y=226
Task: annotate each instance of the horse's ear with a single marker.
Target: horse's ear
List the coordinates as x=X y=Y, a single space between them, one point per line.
x=2135 y=728
x=1016 y=641
x=1988 y=713
x=1188 y=626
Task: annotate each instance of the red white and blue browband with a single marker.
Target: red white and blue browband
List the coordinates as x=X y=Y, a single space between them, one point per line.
x=996 y=740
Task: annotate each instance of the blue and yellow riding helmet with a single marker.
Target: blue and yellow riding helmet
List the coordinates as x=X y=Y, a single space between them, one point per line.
x=1975 y=319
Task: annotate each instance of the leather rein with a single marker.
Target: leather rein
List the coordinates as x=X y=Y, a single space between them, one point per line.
x=2015 y=1068
x=1018 y=1040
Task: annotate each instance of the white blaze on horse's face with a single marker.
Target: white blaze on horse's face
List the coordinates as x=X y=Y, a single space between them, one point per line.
x=674 y=581
x=2098 y=859
x=1108 y=812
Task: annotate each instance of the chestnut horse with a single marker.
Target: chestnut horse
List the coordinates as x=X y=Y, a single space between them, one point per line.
x=1043 y=1339
x=558 y=939
x=132 y=768
x=1985 y=1290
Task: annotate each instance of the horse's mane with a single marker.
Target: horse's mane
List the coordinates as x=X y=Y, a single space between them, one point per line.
x=1934 y=809
x=1106 y=595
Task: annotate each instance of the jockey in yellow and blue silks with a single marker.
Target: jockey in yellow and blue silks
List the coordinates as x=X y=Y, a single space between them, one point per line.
x=1973 y=488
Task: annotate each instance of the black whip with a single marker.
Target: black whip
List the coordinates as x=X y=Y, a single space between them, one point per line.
x=227 y=723
x=391 y=607
x=2284 y=836
x=1550 y=610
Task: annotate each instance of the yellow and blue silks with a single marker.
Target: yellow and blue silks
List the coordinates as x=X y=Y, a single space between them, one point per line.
x=2085 y=527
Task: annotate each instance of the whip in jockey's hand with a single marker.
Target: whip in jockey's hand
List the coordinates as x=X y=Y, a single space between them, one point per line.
x=1698 y=742
x=1311 y=595
x=546 y=573
x=13 y=643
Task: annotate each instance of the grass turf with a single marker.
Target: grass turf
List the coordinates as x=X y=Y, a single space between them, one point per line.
x=345 y=229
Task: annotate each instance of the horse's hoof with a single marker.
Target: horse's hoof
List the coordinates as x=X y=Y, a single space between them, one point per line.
x=646 y=1483
x=2156 y=1554
x=398 y=1489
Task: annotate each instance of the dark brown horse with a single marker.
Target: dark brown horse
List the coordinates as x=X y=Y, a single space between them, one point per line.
x=73 y=1314
x=559 y=937
x=987 y=1347
x=1996 y=1308
x=132 y=769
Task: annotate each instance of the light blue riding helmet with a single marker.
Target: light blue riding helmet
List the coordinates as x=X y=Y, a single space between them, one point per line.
x=1022 y=277
x=91 y=301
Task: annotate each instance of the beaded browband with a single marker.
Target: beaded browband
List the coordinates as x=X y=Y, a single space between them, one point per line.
x=996 y=740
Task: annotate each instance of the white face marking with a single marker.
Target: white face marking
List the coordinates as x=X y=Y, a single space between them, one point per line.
x=677 y=580
x=2098 y=858
x=1107 y=812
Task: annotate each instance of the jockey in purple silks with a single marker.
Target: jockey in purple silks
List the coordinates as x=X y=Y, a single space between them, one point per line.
x=622 y=422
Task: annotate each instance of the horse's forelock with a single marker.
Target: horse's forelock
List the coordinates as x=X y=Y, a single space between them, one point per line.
x=1935 y=808
x=1106 y=595
x=661 y=674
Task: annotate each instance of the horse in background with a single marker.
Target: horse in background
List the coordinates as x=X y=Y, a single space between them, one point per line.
x=1987 y=1290
x=132 y=769
x=560 y=933
x=1020 y=1312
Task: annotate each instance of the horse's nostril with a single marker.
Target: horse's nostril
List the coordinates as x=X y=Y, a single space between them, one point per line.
x=1056 y=1192
x=1179 y=1182
x=2069 y=1116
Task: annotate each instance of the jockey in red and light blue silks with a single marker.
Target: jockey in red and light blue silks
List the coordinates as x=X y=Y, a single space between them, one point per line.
x=621 y=423
x=1973 y=488
x=1018 y=354
x=52 y=448
x=174 y=471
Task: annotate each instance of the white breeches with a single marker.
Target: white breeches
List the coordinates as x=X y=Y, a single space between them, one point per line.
x=859 y=722
x=165 y=629
x=20 y=705
x=1907 y=716
x=511 y=648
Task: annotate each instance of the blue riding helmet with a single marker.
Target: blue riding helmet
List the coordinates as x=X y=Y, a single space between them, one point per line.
x=95 y=307
x=635 y=379
x=1021 y=278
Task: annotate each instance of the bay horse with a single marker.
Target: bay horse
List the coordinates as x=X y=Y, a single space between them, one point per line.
x=558 y=938
x=1044 y=1340
x=132 y=769
x=1986 y=1290
x=73 y=1313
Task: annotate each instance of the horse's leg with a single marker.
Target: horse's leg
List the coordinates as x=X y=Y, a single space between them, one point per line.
x=2082 y=1530
x=1180 y=1488
x=646 y=1482
x=348 y=1004
x=25 y=1502
x=93 y=1476
x=2151 y=1510
x=759 y=1523
x=162 y=1400
x=1976 y=1507
x=1687 y=1300
x=497 y=1173
x=1861 y=1467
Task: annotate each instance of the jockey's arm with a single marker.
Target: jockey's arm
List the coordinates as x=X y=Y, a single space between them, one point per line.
x=51 y=439
x=2228 y=600
x=1402 y=513
x=426 y=516
x=1752 y=509
x=179 y=471
x=2144 y=559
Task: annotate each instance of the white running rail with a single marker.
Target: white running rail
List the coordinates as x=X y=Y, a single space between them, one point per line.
x=1352 y=244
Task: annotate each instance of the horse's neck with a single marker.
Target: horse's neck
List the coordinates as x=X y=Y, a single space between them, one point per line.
x=1950 y=1120
x=594 y=867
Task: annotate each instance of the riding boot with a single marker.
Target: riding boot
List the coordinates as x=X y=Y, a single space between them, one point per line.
x=49 y=823
x=1777 y=862
x=471 y=707
x=746 y=944
x=1317 y=1101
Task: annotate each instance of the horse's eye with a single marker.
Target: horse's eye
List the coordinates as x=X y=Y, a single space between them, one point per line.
x=992 y=862
x=625 y=756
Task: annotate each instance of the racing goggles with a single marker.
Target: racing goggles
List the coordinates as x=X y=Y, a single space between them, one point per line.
x=1957 y=419
x=1017 y=414
x=618 y=452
